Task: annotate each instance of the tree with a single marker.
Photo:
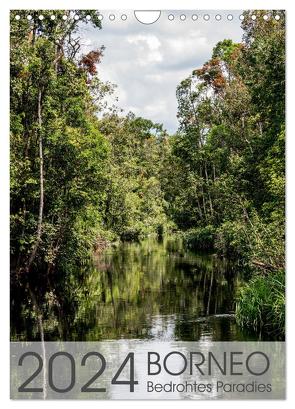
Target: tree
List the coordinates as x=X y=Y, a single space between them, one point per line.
x=44 y=110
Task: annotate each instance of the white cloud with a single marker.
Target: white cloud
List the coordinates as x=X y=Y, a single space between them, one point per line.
x=147 y=47
x=154 y=77
x=152 y=41
x=147 y=62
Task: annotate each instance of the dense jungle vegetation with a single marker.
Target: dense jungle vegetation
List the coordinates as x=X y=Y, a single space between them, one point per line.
x=83 y=175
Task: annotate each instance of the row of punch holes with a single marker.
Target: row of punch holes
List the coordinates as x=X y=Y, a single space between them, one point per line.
x=171 y=17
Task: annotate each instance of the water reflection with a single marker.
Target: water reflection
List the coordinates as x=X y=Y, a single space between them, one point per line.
x=150 y=290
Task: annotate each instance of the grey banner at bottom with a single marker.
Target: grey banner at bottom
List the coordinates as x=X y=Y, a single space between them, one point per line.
x=137 y=369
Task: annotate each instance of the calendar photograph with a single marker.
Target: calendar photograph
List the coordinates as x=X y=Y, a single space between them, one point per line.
x=147 y=204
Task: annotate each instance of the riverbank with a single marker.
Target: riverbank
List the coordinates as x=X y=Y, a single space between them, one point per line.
x=260 y=303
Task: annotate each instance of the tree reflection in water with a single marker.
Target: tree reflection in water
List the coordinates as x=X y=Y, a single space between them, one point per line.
x=154 y=289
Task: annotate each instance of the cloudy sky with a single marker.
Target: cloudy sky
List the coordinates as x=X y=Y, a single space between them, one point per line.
x=147 y=62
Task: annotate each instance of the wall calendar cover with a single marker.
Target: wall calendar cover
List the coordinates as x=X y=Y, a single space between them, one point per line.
x=147 y=220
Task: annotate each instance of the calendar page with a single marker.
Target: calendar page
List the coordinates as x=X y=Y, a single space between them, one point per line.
x=147 y=192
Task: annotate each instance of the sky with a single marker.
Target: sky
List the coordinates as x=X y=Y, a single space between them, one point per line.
x=147 y=62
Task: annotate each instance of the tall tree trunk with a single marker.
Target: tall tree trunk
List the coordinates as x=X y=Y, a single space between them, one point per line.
x=208 y=188
x=203 y=193
x=41 y=175
x=204 y=202
x=199 y=209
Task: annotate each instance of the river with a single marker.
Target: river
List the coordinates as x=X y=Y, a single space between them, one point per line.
x=150 y=290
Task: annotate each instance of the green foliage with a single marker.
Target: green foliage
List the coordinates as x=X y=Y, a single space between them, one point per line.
x=78 y=181
x=231 y=240
x=266 y=244
x=135 y=205
x=228 y=155
x=225 y=50
x=100 y=178
x=261 y=304
x=200 y=239
x=74 y=153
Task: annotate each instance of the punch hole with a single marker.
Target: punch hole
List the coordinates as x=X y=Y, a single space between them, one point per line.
x=218 y=17
x=182 y=17
x=230 y=17
x=206 y=17
x=194 y=17
x=147 y=16
x=124 y=17
x=171 y=17
x=112 y=17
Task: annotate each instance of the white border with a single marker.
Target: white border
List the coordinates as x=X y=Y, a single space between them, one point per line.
x=4 y=178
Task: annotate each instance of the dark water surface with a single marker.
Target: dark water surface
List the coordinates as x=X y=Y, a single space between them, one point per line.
x=152 y=290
